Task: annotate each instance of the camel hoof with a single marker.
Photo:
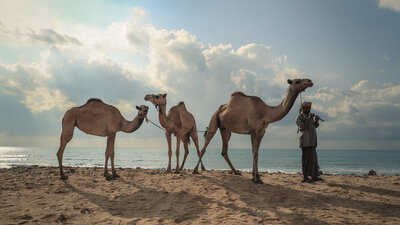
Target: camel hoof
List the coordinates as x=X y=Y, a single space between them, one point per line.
x=177 y=172
x=64 y=177
x=115 y=176
x=168 y=171
x=237 y=172
x=109 y=177
x=257 y=181
x=195 y=172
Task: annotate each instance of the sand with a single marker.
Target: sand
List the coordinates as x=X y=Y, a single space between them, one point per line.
x=36 y=195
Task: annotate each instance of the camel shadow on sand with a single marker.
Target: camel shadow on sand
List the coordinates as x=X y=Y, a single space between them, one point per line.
x=147 y=203
x=265 y=197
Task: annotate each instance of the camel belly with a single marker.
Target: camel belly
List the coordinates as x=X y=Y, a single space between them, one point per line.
x=95 y=132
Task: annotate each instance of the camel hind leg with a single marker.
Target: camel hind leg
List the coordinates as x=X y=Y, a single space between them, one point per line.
x=68 y=125
x=185 y=145
x=209 y=134
x=110 y=153
x=195 y=139
x=226 y=135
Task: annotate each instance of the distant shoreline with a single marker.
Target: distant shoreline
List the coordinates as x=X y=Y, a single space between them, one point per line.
x=285 y=161
x=185 y=170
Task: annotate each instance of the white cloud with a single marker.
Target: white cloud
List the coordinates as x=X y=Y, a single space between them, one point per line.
x=390 y=4
x=49 y=36
x=127 y=108
x=29 y=83
x=127 y=60
x=139 y=13
x=364 y=110
x=26 y=15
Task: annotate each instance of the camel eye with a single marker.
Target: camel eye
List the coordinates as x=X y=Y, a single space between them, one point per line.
x=297 y=82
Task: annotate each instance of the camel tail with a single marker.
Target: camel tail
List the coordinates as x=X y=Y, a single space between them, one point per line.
x=213 y=125
x=187 y=138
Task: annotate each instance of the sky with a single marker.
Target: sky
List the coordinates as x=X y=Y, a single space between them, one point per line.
x=55 y=55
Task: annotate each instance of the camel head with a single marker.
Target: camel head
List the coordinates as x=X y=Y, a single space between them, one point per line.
x=299 y=85
x=160 y=99
x=143 y=110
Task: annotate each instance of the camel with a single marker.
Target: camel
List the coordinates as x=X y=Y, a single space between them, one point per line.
x=179 y=122
x=250 y=115
x=100 y=119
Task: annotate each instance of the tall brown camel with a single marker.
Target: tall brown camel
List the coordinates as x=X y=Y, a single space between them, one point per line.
x=250 y=115
x=179 y=122
x=100 y=119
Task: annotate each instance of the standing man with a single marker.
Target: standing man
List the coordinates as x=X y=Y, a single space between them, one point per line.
x=307 y=123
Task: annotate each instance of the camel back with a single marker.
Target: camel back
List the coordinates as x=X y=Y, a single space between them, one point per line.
x=239 y=94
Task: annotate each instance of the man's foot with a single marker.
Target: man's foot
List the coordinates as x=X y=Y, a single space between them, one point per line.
x=306 y=180
x=317 y=179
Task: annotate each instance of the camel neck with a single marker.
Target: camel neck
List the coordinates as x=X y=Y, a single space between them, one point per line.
x=283 y=108
x=162 y=116
x=132 y=126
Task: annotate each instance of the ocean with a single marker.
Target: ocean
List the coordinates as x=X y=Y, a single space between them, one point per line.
x=384 y=162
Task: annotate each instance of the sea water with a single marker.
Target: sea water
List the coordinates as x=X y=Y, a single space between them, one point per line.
x=385 y=162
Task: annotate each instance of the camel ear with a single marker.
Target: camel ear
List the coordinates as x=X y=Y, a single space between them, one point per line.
x=165 y=95
x=137 y=107
x=289 y=81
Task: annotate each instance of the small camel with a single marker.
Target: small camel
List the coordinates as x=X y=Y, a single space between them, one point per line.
x=250 y=115
x=100 y=119
x=179 y=122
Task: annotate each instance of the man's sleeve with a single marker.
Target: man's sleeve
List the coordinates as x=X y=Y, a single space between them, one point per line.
x=301 y=122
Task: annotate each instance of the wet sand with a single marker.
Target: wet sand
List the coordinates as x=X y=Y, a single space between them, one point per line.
x=36 y=195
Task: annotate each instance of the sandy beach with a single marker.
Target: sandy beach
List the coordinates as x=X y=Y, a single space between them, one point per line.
x=36 y=195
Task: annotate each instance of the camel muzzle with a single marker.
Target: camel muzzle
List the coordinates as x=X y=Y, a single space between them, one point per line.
x=148 y=97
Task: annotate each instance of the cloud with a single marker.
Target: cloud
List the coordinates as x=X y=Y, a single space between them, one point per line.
x=127 y=60
x=28 y=82
x=49 y=36
x=366 y=110
x=139 y=13
x=42 y=36
x=390 y=4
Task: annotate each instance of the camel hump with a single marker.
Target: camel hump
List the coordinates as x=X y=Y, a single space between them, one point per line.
x=94 y=100
x=181 y=104
x=238 y=93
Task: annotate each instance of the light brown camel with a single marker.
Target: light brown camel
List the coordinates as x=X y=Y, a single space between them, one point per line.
x=100 y=119
x=250 y=115
x=179 y=122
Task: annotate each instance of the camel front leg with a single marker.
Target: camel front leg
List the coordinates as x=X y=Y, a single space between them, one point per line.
x=168 y=136
x=111 y=143
x=107 y=155
x=63 y=143
x=255 y=141
x=178 y=143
